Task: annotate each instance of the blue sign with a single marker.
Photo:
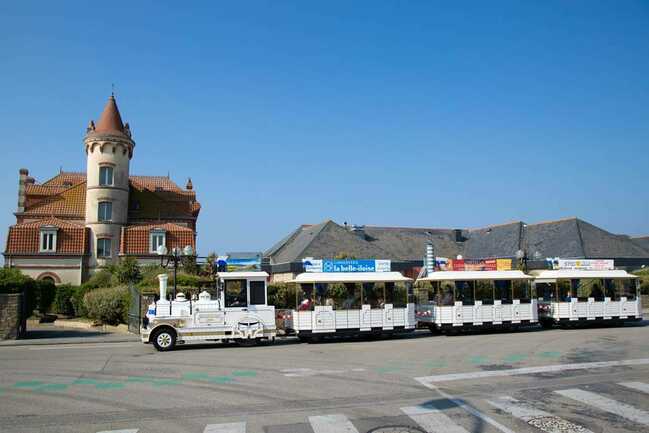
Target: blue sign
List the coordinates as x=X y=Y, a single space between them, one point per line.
x=348 y=266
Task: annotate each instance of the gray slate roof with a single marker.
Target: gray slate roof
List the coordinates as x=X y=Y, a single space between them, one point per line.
x=568 y=238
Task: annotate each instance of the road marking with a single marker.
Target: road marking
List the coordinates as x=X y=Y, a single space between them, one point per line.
x=80 y=346
x=120 y=431
x=467 y=407
x=335 y=423
x=427 y=380
x=432 y=420
x=307 y=372
x=232 y=427
x=536 y=417
x=638 y=386
x=606 y=404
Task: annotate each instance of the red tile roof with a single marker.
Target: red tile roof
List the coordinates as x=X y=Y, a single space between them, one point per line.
x=70 y=239
x=66 y=178
x=135 y=239
x=71 y=203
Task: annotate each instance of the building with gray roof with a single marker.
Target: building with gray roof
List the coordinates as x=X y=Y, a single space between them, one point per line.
x=405 y=246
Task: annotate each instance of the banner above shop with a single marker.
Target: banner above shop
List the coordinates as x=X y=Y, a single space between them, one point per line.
x=347 y=265
x=478 y=265
x=585 y=264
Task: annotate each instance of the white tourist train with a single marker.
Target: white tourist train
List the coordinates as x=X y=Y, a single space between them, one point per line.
x=452 y=300
x=568 y=296
x=238 y=313
x=337 y=303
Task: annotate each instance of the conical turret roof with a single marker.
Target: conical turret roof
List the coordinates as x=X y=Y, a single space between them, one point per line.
x=110 y=120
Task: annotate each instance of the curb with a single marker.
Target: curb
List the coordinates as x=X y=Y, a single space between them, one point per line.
x=75 y=340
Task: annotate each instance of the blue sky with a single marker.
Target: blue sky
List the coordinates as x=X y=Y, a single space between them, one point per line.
x=418 y=113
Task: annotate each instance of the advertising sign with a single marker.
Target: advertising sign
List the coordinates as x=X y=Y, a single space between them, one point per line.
x=481 y=264
x=347 y=265
x=586 y=264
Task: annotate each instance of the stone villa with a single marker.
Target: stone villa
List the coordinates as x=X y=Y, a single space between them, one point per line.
x=76 y=223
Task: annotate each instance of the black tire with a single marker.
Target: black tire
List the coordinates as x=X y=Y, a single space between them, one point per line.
x=164 y=339
x=247 y=342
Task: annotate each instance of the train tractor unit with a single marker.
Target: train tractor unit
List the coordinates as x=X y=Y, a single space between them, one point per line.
x=239 y=312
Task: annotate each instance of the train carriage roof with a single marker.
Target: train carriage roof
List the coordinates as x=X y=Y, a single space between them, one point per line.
x=549 y=276
x=242 y=275
x=475 y=275
x=349 y=277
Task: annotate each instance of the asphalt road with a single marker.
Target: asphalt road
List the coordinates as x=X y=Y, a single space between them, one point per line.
x=554 y=381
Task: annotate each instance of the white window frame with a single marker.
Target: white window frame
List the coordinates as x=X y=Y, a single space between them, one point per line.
x=110 y=206
x=110 y=244
x=47 y=240
x=105 y=169
x=153 y=246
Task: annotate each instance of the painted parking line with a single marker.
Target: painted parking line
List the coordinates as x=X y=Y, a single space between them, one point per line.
x=335 y=423
x=637 y=386
x=542 y=420
x=432 y=420
x=607 y=405
x=428 y=380
x=233 y=427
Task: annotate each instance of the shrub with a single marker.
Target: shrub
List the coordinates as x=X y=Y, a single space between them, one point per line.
x=150 y=276
x=77 y=300
x=127 y=271
x=102 y=278
x=108 y=306
x=39 y=293
x=189 y=265
x=63 y=299
x=46 y=294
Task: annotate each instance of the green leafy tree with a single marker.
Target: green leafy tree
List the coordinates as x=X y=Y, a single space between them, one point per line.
x=189 y=265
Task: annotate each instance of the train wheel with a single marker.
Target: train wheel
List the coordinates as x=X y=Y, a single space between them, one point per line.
x=247 y=342
x=164 y=339
x=547 y=324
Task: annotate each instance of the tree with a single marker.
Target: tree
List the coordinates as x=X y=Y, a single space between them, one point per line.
x=189 y=265
x=128 y=270
x=210 y=264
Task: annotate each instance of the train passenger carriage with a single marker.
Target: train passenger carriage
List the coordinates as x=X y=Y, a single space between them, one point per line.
x=239 y=312
x=465 y=299
x=567 y=296
x=336 y=303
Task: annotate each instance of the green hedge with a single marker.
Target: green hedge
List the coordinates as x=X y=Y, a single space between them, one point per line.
x=108 y=306
x=282 y=295
x=40 y=294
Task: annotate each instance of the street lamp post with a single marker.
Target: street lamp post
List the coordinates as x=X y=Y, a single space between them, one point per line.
x=176 y=255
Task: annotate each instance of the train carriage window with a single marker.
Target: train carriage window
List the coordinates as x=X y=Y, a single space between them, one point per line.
x=236 y=293
x=373 y=295
x=447 y=290
x=522 y=291
x=564 y=290
x=346 y=296
x=396 y=294
x=322 y=297
x=484 y=291
x=464 y=292
x=305 y=297
x=628 y=288
x=503 y=291
x=610 y=291
x=589 y=288
x=546 y=291
x=257 y=293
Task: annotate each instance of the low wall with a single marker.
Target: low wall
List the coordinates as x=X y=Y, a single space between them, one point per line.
x=12 y=322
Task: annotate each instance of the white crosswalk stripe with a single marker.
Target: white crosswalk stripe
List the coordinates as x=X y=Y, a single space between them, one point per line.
x=232 y=427
x=432 y=420
x=535 y=417
x=638 y=386
x=606 y=404
x=335 y=423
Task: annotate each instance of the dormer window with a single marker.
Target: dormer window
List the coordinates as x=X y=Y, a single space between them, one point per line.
x=105 y=175
x=48 y=239
x=157 y=238
x=105 y=211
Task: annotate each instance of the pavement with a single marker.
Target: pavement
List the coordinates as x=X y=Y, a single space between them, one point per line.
x=50 y=333
x=576 y=380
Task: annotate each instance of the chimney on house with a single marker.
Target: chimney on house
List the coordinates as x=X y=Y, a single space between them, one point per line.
x=23 y=173
x=459 y=237
x=359 y=231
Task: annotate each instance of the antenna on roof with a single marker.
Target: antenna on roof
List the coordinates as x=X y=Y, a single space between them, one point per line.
x=112 y=89
x=60 y=169
x=168 y=175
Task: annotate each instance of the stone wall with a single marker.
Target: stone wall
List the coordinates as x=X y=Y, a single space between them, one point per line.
x=12 y=324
